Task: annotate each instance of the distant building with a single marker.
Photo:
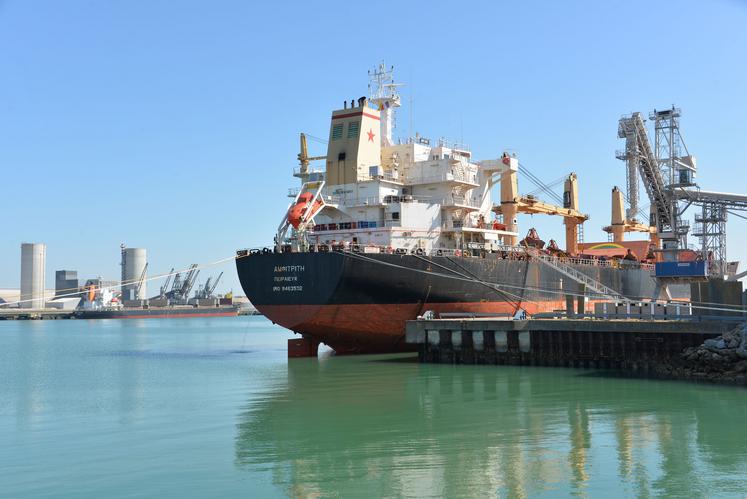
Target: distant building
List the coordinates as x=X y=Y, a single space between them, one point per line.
x=65 y=283
x=33 y=261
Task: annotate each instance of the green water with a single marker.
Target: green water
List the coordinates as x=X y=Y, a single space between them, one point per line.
x=212 y=408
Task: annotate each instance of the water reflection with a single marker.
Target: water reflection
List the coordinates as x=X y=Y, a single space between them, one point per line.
x=349 y=425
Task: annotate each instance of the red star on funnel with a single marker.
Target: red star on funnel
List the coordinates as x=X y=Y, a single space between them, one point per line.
x=370 y=135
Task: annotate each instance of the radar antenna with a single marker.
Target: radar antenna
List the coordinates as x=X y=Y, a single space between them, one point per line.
x=383 y=93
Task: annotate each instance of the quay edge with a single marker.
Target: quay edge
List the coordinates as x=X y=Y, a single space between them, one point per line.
x=642 y=347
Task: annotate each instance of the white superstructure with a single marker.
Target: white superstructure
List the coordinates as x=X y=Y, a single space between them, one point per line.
x=410 y=195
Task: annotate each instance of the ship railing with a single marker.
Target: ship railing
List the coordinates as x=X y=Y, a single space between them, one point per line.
x=612 y=263
x=359 y=224
x=495 y=250
x=309 y=171
x=414 y=178
x=457 y=201
x=380 y=199
x=385 y=176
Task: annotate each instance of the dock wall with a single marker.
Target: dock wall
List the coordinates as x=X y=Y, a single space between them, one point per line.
x=636 y=345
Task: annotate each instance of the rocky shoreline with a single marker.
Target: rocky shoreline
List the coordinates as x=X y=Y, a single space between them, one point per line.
x=717 y=360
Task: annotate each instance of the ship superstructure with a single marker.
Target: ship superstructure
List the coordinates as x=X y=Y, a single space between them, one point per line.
x=413 y=195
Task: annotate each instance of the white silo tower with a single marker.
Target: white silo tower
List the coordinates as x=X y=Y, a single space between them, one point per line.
x=133 y=269
x=33 y=263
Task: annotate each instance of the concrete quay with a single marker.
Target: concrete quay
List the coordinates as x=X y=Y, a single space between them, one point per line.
x=34 y=314
x=637 y=345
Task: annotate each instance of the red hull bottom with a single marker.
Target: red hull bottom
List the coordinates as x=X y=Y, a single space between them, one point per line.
x=375 y=328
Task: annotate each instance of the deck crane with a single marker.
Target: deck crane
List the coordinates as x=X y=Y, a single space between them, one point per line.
x=622 y=222
x=304 y=159
x=512 y=203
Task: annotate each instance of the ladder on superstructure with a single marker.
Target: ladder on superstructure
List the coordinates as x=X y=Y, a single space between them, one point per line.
x=568 y=271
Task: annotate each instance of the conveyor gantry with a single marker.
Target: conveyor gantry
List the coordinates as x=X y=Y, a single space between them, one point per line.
x=638 y=149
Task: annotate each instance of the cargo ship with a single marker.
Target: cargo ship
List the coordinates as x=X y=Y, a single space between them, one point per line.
x=388 y=231
x=100 y=300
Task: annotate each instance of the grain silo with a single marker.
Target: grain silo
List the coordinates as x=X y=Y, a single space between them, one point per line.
x=33 y=262
x=133 y=270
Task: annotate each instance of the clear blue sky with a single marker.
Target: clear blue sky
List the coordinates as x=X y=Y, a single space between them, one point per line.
x=174 y=125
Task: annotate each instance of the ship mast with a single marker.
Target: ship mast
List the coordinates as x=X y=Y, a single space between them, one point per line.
x=383 y=93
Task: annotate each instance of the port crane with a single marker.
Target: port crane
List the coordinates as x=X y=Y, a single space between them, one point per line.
x=206 y=291
x=181 y=287
x=165 y=285
x=667 y=170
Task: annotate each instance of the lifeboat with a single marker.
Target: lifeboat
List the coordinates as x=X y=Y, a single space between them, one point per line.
x=303 y=210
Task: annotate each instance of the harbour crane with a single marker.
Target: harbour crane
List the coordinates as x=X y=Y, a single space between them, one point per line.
x=181 y=287
x=165 y=285
x=189 y=281
x=207 y=290
x=667 y=170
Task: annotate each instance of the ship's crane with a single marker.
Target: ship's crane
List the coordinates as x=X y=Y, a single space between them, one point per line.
x=622 y=222
x=304 y=159
x=512 y=203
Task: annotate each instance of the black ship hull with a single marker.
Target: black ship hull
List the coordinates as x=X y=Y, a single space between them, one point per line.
x=358 y=303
